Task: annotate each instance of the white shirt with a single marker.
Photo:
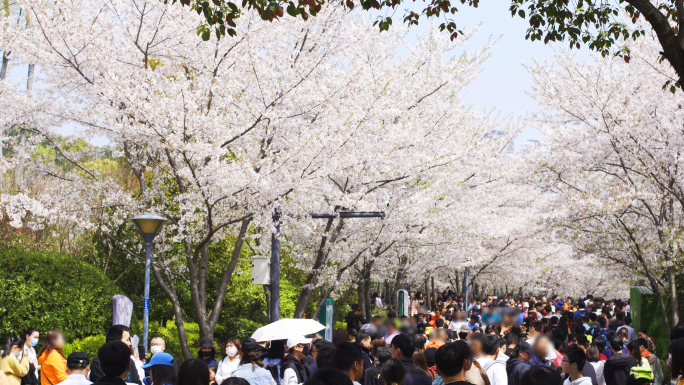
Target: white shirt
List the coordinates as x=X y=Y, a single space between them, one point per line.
x=138 y=367
x=579 y=381
x=32 y=358
x=598 y=368
x=289 y=377
x=456 y=325
x=226 y=368
x=76 y=379
x=496 y=372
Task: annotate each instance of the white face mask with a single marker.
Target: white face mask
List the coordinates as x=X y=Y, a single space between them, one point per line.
x=231 y=351
x=155 y=349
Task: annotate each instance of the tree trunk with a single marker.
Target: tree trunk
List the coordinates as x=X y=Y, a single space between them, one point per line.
x=673 y=294
x=319 y=262
x=361 y=295
x=367 y=288
x=5 y=64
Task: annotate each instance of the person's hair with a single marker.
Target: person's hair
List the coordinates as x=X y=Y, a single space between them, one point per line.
x=404 y=344
x=253 y=358
x=575 y=355
x=328 y=376
x=420 y=360
x=643 y=331
x=49 y=343
x=602 y=321
x=384 y=354
x=163 y=374
x=233 y=341
x=393 y=372
x=676 y=349
x=623 y=333
x=554 y=320
x=593 y=354
x=326 y=357
x=677 y=332
x=378 y=343
x=362 y=335
x=581 y=339
x=536 y=325
x=277 y=349
x=28 y=332
x=193 y=372
x=234 y=381
x=511 y=339
x=634 y=351
x=11 y=342
x=419 y=341
x=600 y=343
x=115 y=358
x=490 y=345
x=346 y=354
x=450 y=358
x=115 y=333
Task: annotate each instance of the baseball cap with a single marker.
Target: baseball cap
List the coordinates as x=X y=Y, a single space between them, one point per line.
x=78 y=358
x=464 y=328
x=250 y=345
x=523 y=347
x=559 y=304
x=294 y=341
x=160 y=359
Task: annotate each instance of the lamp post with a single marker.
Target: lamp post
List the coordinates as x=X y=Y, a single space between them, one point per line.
x=149 y=226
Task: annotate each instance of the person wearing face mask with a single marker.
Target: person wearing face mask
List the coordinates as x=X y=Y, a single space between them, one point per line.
x=207 y=352
x=230 y=361
x=14 y=361
x=292 y=370
x=158 y=345
x=31 y=337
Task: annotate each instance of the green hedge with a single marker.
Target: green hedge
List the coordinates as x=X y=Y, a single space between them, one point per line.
x=52 y=291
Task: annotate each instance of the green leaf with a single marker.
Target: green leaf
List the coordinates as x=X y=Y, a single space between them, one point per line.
x=521 y=13
x=206 y=35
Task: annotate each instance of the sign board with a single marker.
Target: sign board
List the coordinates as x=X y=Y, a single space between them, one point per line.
x=261 y=270
x=403 y=303
x=123 y=310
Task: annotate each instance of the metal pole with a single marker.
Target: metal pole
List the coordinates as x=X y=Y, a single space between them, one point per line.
x=433 y=290
x=146 y=305
x=427 y=294
x=275 y=268
x=466 y=287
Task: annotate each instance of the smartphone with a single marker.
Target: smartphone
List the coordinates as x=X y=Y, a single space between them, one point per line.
x=141 y=353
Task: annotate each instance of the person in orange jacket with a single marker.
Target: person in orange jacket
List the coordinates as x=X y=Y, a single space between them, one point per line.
x=51 y=359
x=435 y=317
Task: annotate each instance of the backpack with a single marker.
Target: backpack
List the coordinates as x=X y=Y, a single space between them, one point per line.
x=273 y=368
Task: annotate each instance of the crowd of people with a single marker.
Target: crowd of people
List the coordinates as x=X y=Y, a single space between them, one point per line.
x=490 y=341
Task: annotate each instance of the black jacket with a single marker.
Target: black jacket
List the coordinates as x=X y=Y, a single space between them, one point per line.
x=616 y=369
x=96 y=373
x=301 y=369
x=107 y=380
x=515 y=368
x=352 y=321
x=414 y=374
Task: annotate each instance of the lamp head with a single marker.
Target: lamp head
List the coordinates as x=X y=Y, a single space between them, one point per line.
x=149 y=225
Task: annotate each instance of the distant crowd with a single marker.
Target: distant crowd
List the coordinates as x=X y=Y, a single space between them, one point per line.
x=441 y=341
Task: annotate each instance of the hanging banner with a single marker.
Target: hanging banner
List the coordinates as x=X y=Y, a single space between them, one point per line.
x=123 y=310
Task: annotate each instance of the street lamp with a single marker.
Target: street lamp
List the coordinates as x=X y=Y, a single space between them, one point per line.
x=149 y=226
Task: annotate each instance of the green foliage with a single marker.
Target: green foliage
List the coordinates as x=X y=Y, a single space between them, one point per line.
x=52 y=291
x=87 y=345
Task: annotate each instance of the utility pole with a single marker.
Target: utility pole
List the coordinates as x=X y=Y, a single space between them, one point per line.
x=275 y=251
x=466 y=289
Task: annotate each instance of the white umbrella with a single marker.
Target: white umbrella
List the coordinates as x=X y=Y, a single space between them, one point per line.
x=287 y=328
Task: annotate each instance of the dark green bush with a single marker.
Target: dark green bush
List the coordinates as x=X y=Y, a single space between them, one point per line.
x=52 y=291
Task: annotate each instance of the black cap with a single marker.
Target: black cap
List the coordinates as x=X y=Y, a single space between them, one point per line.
x=523 y=347
x=77 y=358
x=250 y=345
x=206 y=343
